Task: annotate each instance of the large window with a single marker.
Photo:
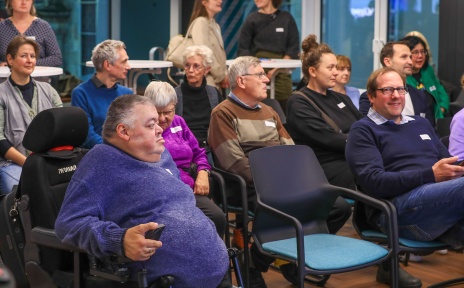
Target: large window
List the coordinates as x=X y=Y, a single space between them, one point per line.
x=422 y=16
x=360 y=28
x=348 y=28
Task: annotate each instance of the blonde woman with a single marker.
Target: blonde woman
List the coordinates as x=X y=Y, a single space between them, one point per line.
x=23 y=21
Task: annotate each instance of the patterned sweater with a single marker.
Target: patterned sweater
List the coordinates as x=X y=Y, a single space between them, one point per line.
x=42 y=32
x=235 y=131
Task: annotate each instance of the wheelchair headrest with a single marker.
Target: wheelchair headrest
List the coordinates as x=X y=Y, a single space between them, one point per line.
x=55 y=127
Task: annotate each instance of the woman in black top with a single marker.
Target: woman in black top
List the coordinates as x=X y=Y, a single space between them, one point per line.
x=305 y=122
x=196 y=99
x=271 y=33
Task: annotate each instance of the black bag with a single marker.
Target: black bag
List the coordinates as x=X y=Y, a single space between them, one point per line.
x=12 y=239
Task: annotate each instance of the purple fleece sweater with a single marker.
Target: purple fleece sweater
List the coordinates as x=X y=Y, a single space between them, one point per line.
x=184 y=148
x=111 y=191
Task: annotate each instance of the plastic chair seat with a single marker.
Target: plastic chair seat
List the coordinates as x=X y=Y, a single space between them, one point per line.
x=406 y=242
x=329 y=252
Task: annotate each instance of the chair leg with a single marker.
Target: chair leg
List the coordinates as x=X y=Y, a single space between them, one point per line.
x=447 y=283
x=238 y=274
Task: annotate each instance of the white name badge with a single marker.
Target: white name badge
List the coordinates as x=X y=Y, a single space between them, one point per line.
x=176 y=129
x=31 y=37
x=422 y=115
x=280 y=30
x=341 y=105
x=270 y=124
x=169 y=171
x=433 y=88
x=425 y=137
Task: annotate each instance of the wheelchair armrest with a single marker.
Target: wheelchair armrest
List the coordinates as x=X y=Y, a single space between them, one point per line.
x=47 y=237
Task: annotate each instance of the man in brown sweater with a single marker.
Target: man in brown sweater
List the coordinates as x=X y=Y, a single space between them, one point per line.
x=241 y=124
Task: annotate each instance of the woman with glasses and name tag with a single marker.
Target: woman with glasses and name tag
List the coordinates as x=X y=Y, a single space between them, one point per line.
x=423 y=76
x=319 y=117
x=195 y=98
x=271 y=33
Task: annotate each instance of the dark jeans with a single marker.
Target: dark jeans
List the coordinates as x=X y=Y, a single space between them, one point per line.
x=431 y=211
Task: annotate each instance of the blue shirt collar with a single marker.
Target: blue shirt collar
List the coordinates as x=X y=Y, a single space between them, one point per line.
x=379 y=119
x=235 y=98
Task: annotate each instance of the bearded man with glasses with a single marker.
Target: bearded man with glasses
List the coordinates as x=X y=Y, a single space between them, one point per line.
x=400 y=158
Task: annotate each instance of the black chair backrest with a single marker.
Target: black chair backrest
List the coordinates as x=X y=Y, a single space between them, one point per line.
x=457 y=104
x=290 y=179
x=46 y=172
x=443 y=126
x=445 y=141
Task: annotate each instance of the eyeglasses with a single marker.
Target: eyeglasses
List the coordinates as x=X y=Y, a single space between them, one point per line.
x=195 y=67
x=260 y=75
x=389 y=90
x=166 y=113
x=417 y=52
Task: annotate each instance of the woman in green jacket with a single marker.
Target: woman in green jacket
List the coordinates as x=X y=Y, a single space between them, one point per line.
x=424 y=77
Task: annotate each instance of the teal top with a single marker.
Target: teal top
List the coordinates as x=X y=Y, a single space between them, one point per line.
x=430 y=83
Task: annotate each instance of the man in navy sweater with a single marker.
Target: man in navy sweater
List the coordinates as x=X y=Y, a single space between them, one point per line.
x=397 y=55
x=95 y=95
x=400 y=158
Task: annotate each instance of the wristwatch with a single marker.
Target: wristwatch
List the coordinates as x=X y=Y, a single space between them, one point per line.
x=207 y=171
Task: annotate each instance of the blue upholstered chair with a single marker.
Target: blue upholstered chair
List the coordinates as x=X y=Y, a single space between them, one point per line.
x=294 y=200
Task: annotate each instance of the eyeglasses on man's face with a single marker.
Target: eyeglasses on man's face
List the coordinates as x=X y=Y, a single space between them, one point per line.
x=389 y=90
x=260 y=75
x=419 y=52
x=195 y=67
x=166 y=113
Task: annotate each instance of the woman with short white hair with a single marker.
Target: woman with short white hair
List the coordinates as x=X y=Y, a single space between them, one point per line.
x=190 y=159
x=195 y=98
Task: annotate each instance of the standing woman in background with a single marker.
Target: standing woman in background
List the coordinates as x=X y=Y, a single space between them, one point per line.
x=23 y=21
x=271 y=33
x=205 y=31
x=343 y=78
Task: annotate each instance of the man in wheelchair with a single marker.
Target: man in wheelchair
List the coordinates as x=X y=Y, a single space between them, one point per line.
x=124 y=187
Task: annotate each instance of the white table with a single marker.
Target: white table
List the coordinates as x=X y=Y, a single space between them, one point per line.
x=139 y=67
x=281 y=66
x=39 y=71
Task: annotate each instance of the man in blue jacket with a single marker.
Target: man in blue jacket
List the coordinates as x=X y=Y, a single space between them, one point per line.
x=397 y=55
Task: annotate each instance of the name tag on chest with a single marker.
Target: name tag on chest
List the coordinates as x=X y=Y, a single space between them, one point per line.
x=270 y=124
x=425 y=137
x=280 y=30
x=341 y=105
x=176 y=129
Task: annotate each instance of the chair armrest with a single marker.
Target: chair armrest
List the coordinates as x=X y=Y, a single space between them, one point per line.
x=383 y=205
x=227 y=176
x=47 y=237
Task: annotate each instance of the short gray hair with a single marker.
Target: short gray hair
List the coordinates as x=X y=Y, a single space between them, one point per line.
x=240 y=67
x=121 y=112
x=106 y=50
x=161 y=93
x=199 y=50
